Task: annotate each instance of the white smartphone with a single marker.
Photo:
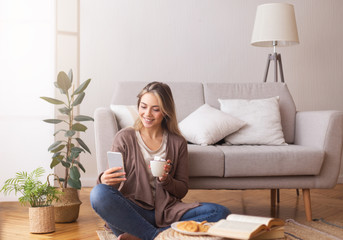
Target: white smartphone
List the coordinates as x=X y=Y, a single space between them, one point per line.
x=115 y=159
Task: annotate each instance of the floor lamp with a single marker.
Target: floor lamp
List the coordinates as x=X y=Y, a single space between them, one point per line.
x=275 y=26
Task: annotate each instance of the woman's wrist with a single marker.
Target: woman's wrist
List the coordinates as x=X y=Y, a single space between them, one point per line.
x=164 y=181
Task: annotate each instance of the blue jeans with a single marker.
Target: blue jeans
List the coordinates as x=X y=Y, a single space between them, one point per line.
x=122 y=215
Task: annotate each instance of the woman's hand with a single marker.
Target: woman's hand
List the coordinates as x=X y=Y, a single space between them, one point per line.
x=112 y=177
x=167 y=169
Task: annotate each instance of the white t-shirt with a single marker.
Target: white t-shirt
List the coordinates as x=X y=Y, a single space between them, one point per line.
x=149 y=155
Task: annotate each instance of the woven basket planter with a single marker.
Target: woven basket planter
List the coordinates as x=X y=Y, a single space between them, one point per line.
x=68 y=207
x=42 y=219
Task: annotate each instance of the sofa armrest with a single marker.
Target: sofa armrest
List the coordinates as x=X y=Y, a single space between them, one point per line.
x=105 y=128
x=324 y=130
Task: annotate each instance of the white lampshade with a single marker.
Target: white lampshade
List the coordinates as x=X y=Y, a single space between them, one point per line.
x=275 y=22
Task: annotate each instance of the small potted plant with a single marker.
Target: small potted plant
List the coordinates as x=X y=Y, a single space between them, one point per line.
x=38 y=195
x=68 y=146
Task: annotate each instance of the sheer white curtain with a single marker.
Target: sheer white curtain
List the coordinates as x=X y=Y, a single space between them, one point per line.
x=27 y=71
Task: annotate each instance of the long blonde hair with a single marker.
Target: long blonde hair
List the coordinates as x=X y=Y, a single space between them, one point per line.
x=166 y=102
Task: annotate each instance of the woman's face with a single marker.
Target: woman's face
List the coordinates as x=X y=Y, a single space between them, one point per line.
x=149 y=111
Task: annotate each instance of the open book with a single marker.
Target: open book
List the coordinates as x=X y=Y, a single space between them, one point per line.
x=247 y=227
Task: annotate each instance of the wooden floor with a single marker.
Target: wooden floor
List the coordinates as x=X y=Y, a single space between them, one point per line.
x=327 y=204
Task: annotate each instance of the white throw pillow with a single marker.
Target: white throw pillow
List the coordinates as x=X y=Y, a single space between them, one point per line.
x=126 y=115
x=262 y=117
x=208 y=125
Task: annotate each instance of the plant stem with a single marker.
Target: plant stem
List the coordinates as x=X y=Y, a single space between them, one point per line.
x=70 y=123
x=71 y=119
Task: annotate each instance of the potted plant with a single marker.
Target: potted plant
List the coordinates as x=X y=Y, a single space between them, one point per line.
x=69 y=146
x=38 y=195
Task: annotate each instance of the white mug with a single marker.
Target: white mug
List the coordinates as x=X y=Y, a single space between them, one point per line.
x=157 y=168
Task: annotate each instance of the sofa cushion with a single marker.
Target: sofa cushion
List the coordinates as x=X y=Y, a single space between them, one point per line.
x=205 y=161
x=262 y=117
x=253 y=161
x=125 y=115
x=213 y=91
x=208 y=125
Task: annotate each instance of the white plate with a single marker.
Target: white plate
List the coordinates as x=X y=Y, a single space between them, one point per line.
x=174 y=226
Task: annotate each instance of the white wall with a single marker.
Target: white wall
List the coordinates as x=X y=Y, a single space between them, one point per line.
x=205 y=41
x=27 y=70
x=67 y=52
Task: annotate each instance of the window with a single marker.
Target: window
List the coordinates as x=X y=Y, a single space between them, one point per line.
x=27 y=71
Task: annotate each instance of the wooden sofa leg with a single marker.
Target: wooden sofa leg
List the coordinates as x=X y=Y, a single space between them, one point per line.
x=307 y=204
x=273 y=197
x=278 y=196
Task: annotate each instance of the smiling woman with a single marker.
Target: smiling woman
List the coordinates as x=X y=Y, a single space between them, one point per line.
x=27 y=66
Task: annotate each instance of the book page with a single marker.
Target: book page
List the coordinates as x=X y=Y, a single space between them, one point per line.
x=277 y=233
x=235 y=229
x=252 y=219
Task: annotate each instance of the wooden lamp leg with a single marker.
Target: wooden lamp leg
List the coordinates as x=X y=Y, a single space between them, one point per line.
x=307 y=204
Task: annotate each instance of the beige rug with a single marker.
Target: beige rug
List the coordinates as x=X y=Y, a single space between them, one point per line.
x=315 y=230
x=106 y=235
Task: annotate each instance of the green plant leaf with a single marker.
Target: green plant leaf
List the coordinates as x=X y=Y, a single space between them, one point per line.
x=61 y=90
x=53 y=121
x=56 y=154
x=54 y=163
x=57 y=149
x=54 y=145
x=64 y=110
x=80 y=165
x=77 y=150
x=61 y=130
x=65 y=164
x=79 y=99
x=32 y=189
x=79 y=127
x=81 y=118
x=69 y=133
x=63 y=81
x=70 y=75
x=82 y=87
x=74 y=173
x=74 y=183
x=61 y=179
x=38 y=172
x=52 y=100
x=83 y=145
x=73 y=155
x=69 y=159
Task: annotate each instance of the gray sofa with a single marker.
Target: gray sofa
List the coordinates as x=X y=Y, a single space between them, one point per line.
x=311 y=159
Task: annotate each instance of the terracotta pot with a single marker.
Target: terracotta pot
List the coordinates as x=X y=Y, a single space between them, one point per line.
x=42 y=219
x=68 y=207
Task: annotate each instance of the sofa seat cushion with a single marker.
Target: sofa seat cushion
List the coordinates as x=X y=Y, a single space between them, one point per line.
x=254 y=160
x=205 y=161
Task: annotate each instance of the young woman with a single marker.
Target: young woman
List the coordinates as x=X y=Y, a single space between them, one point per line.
x=139 y=206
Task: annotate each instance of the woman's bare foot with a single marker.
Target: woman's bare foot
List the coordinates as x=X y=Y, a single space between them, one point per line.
x=127 y=236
